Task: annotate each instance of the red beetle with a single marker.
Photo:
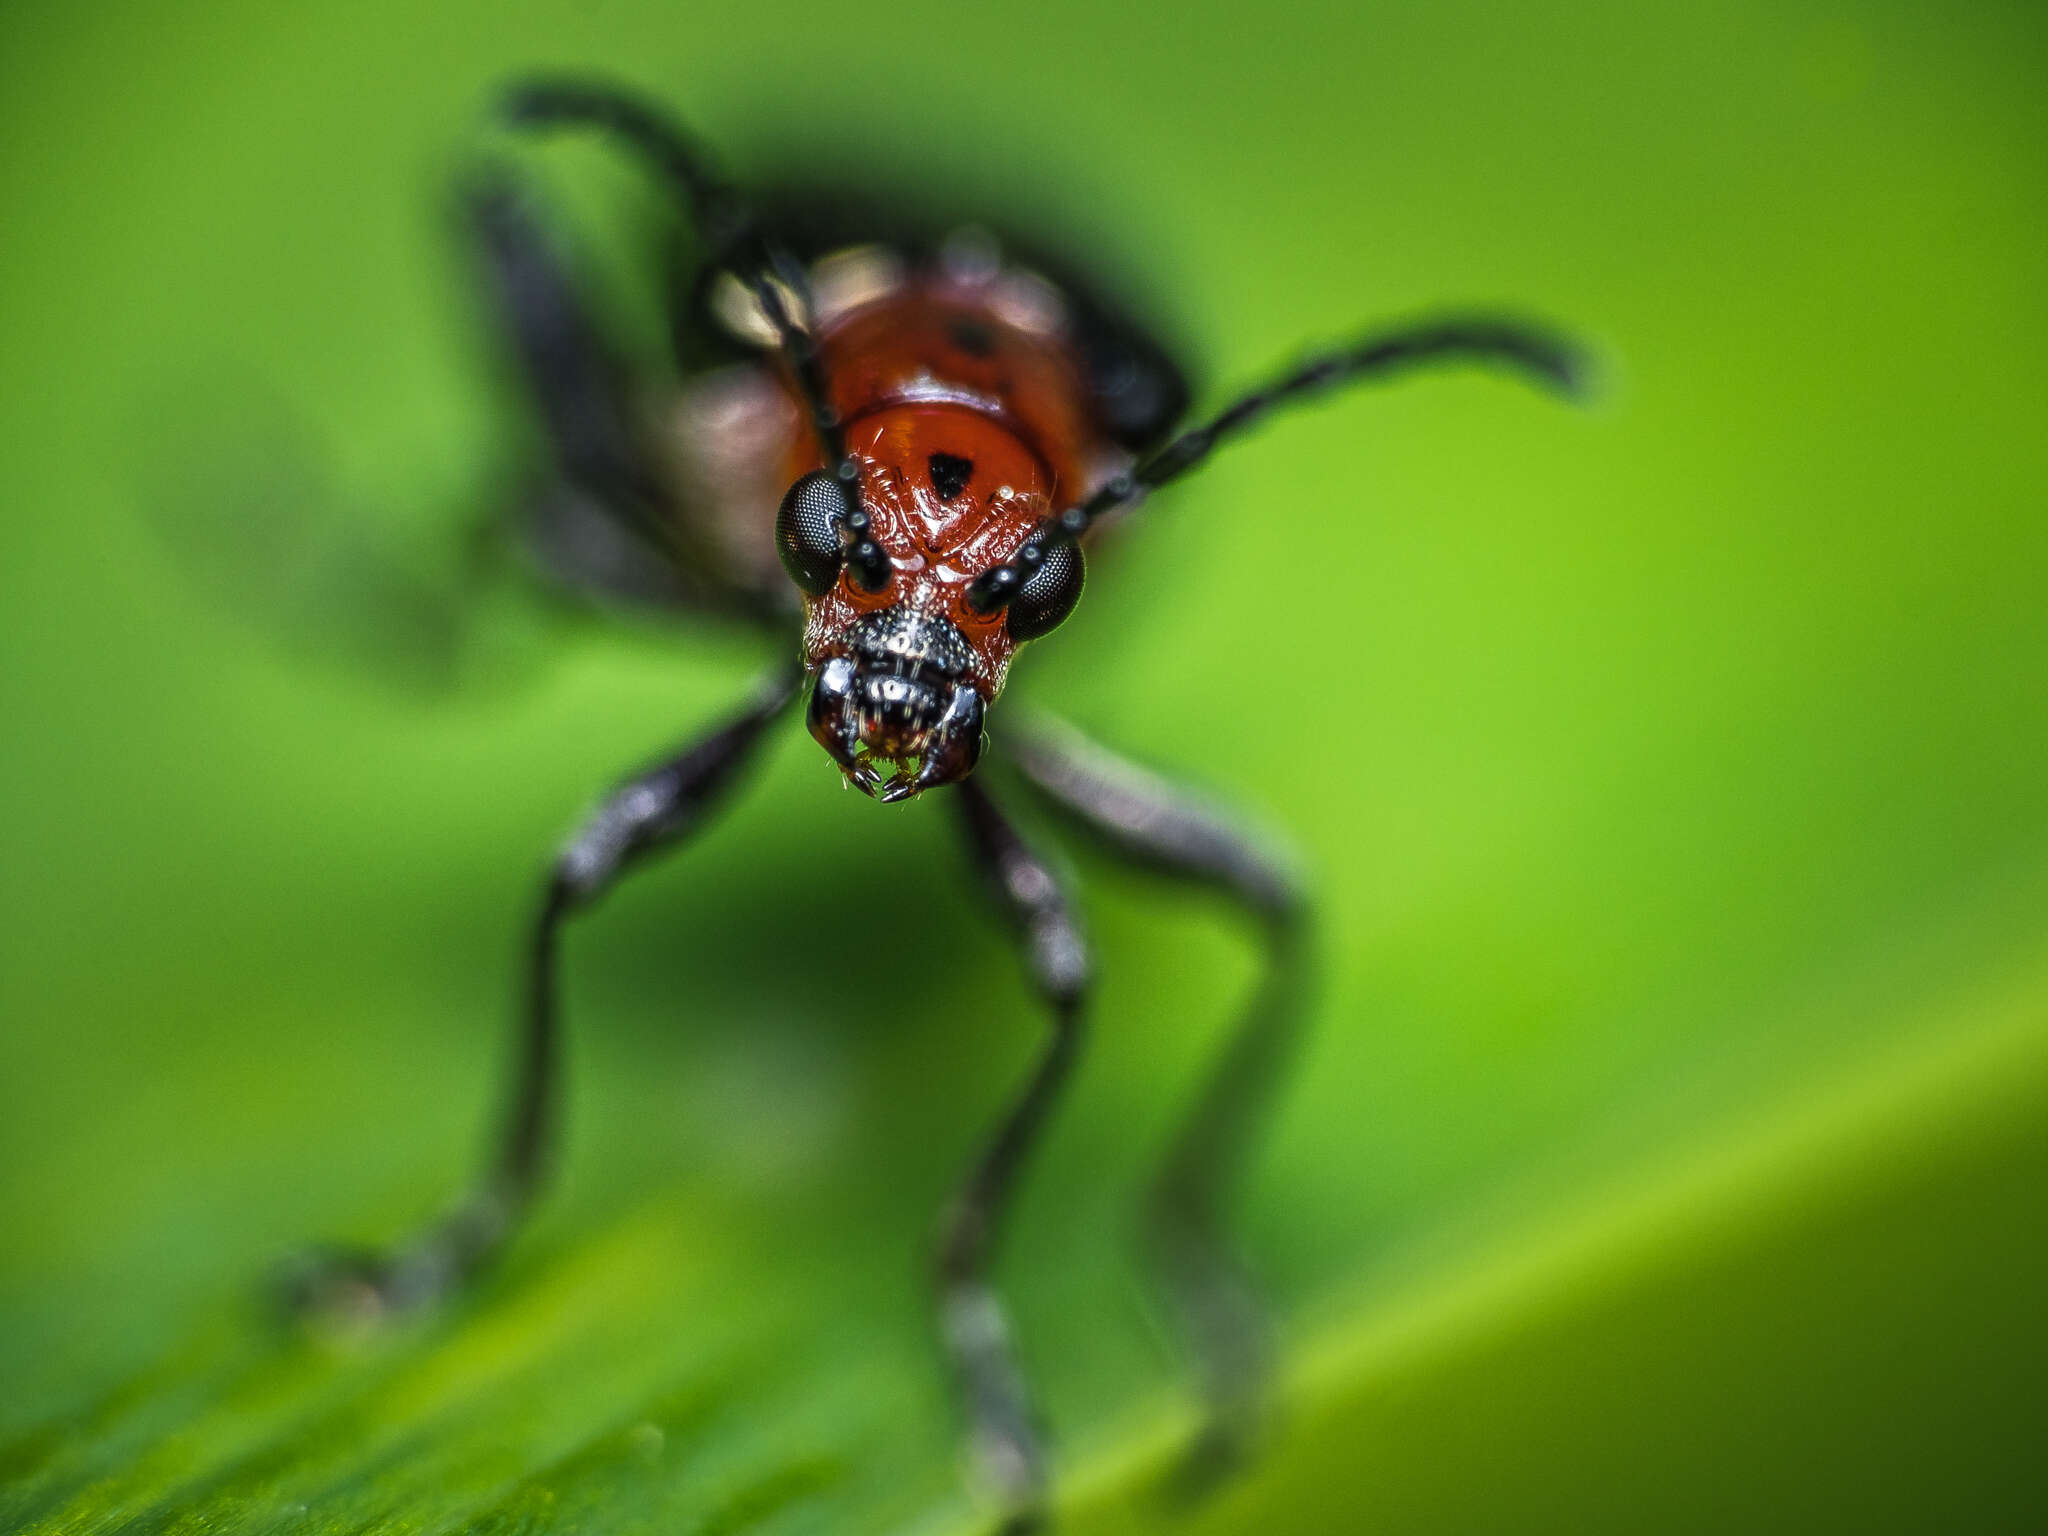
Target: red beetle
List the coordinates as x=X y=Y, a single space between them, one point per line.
x=888 y=447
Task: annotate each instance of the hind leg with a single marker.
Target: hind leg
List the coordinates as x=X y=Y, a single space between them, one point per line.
x=617 y=520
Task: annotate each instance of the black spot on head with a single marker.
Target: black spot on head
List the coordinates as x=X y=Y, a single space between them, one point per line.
x=950 y=474
x=971 y=337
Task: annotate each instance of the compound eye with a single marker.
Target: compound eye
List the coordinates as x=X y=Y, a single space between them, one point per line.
x=807 y=531
x=1044 y=601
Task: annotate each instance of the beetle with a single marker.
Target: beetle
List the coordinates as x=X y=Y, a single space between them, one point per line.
x=892 y=450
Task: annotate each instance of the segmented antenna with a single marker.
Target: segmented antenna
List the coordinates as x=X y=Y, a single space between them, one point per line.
x=1546 y=358
x=729 y=229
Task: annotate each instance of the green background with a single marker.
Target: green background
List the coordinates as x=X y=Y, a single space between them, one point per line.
x=1670 y=1150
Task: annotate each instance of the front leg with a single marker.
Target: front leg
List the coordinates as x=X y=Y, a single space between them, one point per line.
x=1160 y=827
x=652 y=811
x=1001 y=1427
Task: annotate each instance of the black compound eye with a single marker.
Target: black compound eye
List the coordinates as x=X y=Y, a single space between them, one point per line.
x=807 y=531
x=1044 y=601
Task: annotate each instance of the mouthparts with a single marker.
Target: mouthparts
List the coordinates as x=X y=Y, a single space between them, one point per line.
x=893 y=733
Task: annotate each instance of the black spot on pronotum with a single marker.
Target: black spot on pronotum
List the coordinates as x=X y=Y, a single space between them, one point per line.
x=971 y=337
x=950 y=474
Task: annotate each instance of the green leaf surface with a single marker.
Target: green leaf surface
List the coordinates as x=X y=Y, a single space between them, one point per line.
x=1669 y=1153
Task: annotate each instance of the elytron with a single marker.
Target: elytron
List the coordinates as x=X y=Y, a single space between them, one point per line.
x=886 y=451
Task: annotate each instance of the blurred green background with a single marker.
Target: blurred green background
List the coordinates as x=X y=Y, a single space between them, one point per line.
x=1670 y=1153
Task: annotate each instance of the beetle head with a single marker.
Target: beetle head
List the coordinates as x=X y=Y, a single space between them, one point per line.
x=886 y=554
